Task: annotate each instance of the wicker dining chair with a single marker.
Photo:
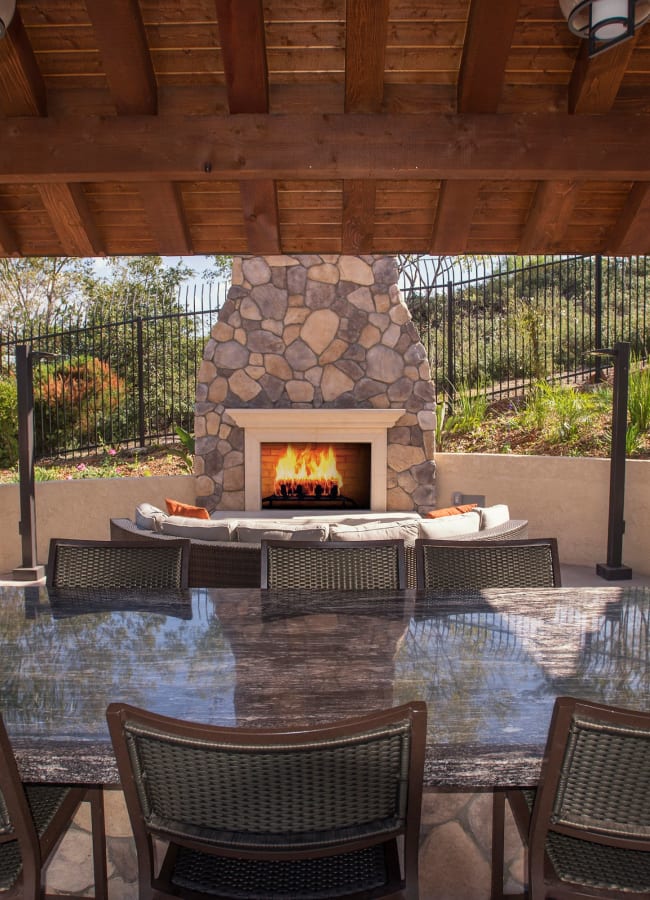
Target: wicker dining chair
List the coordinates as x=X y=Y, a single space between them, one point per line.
x=319 y=812
x=335 y=565
x=456 y=565
x=146 y=565
x=33 y=818
x=587 y=825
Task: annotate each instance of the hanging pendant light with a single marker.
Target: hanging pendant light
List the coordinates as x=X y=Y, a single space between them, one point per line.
x=7 y=10
x=605 y=23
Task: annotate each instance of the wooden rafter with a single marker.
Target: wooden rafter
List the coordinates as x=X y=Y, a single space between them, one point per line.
x=359 y=200
x=454 y=215
x=366 y=30
x=487 y=44
x=595 y=82
x=8 y=239
x=594 y=85
x=549 y=216
x=488 y=39
x=68 y=210
x=133 y=148
x=631 y=234
x=243 y=47
x=22 y=89
x=259 y=201
x=365 y=54
x=164 y=210
x=122 y=44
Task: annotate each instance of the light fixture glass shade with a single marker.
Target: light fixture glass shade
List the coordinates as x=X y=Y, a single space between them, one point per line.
x=7 y=10
x=608 y=19
x=604 y=22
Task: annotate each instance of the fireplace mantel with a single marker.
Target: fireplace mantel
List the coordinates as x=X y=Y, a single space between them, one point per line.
x=330 y=425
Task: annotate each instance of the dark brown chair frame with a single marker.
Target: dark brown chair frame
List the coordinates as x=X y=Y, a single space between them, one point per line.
x=120 y=564
x=528 y=562
x=336 y=565
x=589 y=800
x=33 y=819
x=280 y=811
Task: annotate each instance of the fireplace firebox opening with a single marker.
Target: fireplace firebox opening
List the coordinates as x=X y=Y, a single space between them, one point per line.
x=307 y=475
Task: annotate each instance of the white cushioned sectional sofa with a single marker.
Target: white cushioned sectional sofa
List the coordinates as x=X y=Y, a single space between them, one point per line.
x=225 y=549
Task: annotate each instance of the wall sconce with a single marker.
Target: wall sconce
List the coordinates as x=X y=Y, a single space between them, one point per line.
x=604 y=23
x=7 y=10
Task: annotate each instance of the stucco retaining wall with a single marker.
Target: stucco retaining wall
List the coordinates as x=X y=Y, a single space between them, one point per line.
x=560 y=496
x=82 y=509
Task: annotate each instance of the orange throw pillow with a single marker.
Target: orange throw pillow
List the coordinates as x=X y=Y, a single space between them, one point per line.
x=176 y=508
x=449 y=511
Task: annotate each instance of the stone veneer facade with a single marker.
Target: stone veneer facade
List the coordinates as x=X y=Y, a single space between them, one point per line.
x=310 y=332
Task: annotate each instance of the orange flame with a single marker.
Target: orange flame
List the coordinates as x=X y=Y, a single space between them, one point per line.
x=312 y=468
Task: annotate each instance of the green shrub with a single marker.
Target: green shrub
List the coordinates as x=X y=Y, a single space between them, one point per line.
x=638 y=401
x=8 y=422
x=469 y=410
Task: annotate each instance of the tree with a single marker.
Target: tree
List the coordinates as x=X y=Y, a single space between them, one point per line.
x=135 y=286
x=37 y=289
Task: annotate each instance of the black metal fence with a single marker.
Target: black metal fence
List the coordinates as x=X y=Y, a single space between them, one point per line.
x=498 y=325
x=127 y=382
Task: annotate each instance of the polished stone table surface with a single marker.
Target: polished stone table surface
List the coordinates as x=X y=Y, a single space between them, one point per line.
x=489 y=665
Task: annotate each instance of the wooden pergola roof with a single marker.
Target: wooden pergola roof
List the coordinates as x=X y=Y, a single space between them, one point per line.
x=292 y=126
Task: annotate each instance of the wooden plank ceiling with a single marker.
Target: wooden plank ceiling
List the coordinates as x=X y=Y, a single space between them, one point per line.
x=297 y=126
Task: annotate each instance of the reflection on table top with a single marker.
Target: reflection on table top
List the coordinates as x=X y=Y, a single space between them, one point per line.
x=489 y=665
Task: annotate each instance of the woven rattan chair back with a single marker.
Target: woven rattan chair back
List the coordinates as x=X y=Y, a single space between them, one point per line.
x=333 y=565
x=32 y=820
x=458 y=565
x=588 y=824
x=146 y=565
x=251 y=810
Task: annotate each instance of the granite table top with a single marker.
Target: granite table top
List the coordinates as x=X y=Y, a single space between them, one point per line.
x=489 y=665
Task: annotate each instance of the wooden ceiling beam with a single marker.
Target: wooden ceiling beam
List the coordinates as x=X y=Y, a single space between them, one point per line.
x=366 y=32
x=488 y=39
x=549 y=216
x=122 y=44
x=631 y=234
x=71 y=218
x=243 y=48
x=164 y=210
x=22 y=89
x=145 y=148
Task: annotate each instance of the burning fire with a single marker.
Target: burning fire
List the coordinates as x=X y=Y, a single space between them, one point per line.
x=310 y=472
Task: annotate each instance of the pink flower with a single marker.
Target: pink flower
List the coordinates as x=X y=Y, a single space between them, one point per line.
x=112 y=451
x=68 y=477
x=81 y=467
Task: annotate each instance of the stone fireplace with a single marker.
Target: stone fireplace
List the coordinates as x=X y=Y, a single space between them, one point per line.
x=315 y=350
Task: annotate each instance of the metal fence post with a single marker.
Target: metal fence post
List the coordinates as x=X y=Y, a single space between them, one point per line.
x=140 y=349
x=29 y=571
x=613 y=569
x=598 y=314
x=451 y=362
